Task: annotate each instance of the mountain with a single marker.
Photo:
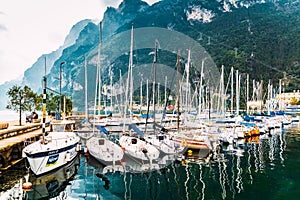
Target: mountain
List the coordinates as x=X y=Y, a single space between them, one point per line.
x=259 y=37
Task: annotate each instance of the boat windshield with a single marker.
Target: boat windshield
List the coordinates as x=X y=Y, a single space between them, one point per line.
x=58 y=127
x=62 y=127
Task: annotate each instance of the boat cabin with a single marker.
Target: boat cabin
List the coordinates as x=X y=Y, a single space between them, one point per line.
x=62 y=126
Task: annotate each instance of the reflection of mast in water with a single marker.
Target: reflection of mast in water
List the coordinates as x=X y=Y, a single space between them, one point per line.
x=239 y=181
x=256 y=160
x=203 y=183
x=196 y=180
x=232 y=186
x=127 y=188
x=153 y=182
x=176 y=178
x=249 y=166
x=261 y=156
x=167 y=181
x=281 y=148
x=223 y=175
x=186 y=181
x=271 y=151
x=85 y=175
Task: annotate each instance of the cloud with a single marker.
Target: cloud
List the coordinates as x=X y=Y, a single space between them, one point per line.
x=3 y=27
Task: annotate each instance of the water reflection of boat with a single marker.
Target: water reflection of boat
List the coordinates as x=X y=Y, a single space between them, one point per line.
x=52 y=184
x=133 y=166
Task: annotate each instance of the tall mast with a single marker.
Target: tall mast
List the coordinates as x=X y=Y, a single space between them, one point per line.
x=247 y=95
x=231 y=101
x=200 y=87
x=237 y=92
x=154 y=81
x=147 y=93
x=141 y=95
x=99 y=70
x=129 y=82
x=111 y=88
x=222 y=93
x=85 y=90
x=44 y=102
x=178 y=85
x=187 y=80
x=166 y=90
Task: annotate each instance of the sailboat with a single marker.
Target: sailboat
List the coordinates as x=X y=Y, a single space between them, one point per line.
x=161 y=140
x=104 y=150
x=137 y=148
x=193 y=138
x=133 y=146
x=99 y=146
x=55 y=149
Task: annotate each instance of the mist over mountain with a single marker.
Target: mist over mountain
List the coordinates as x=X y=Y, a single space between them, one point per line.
x=257 y=37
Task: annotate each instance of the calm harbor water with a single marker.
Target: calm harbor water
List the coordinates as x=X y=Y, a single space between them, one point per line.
x=263 y=168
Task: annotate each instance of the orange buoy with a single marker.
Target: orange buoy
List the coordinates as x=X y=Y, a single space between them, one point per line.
x=27 y=186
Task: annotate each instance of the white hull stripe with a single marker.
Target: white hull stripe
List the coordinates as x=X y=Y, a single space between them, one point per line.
x=48 y=153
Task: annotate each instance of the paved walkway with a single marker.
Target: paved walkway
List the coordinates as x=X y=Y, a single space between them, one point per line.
x=10 y=141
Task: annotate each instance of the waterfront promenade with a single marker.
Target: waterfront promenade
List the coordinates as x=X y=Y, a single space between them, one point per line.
x=14 y=138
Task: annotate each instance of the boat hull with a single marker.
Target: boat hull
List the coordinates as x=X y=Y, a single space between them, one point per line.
x=45 y=157
x=105 y=151
x=138 y=149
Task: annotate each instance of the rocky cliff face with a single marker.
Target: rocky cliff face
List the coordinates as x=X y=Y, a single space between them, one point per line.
x=259 y=37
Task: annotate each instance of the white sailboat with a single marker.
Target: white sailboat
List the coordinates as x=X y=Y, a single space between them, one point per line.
x=54 y=150
x=104 y=150
x=133 y=146
x=137 y=148
x=101 y=148
x=162 y=140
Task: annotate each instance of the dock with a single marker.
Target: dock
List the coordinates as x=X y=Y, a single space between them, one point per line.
x=13 y=139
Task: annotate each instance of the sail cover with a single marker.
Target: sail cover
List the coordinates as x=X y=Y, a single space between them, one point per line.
x=136 y=129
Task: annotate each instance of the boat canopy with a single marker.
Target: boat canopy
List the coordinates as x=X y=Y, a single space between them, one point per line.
x=103 y=129
x=136 y=129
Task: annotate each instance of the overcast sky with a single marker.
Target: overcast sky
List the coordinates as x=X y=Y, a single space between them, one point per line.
x=30 y=28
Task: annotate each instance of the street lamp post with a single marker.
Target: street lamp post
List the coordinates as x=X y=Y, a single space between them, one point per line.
x=59 y=106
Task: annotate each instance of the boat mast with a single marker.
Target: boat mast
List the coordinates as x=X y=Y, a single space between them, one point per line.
x=85 y=89
x=178 y=85
x=231 y=101
x=111 y=88
x=98 y=74
x=130 y=66
x=154 y=81
x=166 y=90
x=187 y=80
x=44 y=102
x=200 y=88
x=141 y=96
x=247 y=95
x=129 y=82
x=237 y=93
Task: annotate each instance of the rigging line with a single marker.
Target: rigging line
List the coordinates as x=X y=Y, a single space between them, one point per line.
x=169 y=92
